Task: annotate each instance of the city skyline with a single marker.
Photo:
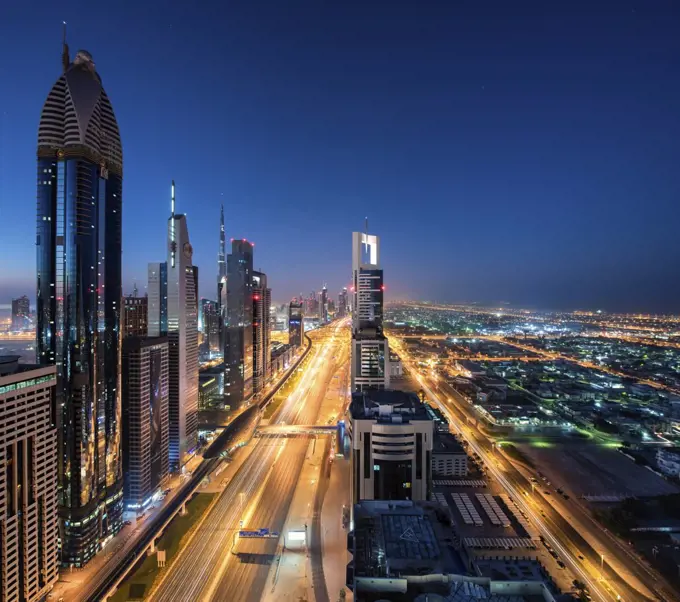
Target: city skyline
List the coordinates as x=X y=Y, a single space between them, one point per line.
x=531 y=203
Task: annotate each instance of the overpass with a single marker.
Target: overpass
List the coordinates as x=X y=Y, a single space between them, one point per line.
x=276 y=430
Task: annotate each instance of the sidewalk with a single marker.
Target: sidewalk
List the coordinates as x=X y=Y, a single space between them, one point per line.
x=333 y=536
x=290 y=577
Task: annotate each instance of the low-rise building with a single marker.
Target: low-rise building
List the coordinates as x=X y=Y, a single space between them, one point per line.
x=402 y=552
x=668 y=461
x=396 y=367
x=448 y=456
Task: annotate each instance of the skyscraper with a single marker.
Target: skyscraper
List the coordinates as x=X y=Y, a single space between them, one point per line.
x=238 y=348
x=80 y=179
x=342 y=303
x=29 y=529
x=323 y=305
x=158 y=299
x=262 y=300
x=295 y=324
x=222 y=282
x=20 y=312
x=211 y=325
x=145 y=418
x=135 y=316
x=182 y=339
x=370 y=348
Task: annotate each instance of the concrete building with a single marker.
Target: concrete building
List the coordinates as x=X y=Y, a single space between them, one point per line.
x=396 y=367
x=182 y=339
x=210 y=311
x=238 y=340
x=145 y=385
x=448 y=456
x=157 y=304
x=296 y=329
x=402 y=552
x=370 y=349
x=21 y=312
x=79 y=296
x=391 y=437
x=29 y=530
x=668 y=461
x=211 y=388
x=262 y=300
x=135 y=316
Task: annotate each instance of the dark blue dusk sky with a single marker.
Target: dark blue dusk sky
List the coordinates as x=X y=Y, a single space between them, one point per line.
x=526 y=152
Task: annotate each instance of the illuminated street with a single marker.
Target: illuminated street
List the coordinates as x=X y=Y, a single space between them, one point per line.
x=608 y=568
x=215 y=565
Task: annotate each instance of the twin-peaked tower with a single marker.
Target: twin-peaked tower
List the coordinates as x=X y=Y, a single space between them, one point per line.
x=182 y=339
x=370 y=348
x=78 y=299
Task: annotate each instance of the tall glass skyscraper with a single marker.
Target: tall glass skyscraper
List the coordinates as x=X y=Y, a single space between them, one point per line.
x=80 y=178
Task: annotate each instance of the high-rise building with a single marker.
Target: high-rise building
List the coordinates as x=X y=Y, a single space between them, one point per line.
x=182 y=339
x=158 y=299
x=262 y=300
x=370 y=348
x=295 y=324
x=342 y=303
x=145 y=418
x=222 y=281
x=135 y=316
x=391 y=436
x=29 y=531
x=323 y=305
x=211 y=325
x=80 y=179
x=238 y=347
x=21 y=312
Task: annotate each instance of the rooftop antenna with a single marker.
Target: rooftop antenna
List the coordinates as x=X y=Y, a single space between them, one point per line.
x=173 y=244
x=65 y=60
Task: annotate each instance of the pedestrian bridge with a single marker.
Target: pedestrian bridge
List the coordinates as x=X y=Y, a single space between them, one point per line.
x=274 y=430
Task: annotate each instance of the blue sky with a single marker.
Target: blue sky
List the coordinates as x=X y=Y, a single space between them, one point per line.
x=524 y=152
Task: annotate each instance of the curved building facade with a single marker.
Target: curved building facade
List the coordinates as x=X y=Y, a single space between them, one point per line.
x=78 y=304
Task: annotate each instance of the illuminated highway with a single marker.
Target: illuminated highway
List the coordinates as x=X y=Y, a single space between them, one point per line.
x=567 y=539
x=215 y=564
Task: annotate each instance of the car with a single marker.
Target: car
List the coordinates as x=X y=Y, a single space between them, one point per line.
x=561 y=564
x=560 y=491
x=546 y=492
x=565 y=496
x=580 y=557
x=127 y=523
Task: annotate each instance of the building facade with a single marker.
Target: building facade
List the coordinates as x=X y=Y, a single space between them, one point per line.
x=135 y=316
x=211 y=325
x=29 y=530
x=21 y=313
x=296 y=329
x=391 y=437
x=262 y=300
x=182 y=340
x=157 y=304
x=370 y=348
x=78 y=300
x=238 y=340
x=323 y=305
x=145 y=369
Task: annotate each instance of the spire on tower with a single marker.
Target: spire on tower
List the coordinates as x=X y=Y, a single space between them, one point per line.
x=65 y=60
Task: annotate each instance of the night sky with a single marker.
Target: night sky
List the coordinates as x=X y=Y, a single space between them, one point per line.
x=525 y=152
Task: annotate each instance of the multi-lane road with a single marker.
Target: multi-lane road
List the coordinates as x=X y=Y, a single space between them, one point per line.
x=622 y=576
x=215 y=564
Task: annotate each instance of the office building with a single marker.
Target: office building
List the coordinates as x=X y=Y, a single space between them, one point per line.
x=21 y=313
x=78 y=300
x=370 y=348
x=211 y=388
x=145 y=382
x=238 y=343
x=157 y=304
x=182 y=340
x=135 y=316
x=262 y=300
x=448 y=456
x=391 y=438
x=29 y=530
x=211 y=325
x=323 y=305
x=296 y=328
x=342 y=303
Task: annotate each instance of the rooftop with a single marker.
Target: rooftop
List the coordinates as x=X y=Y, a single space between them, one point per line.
x=446 y=443
x=387 y=404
